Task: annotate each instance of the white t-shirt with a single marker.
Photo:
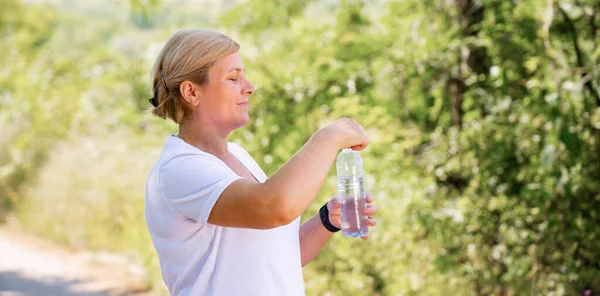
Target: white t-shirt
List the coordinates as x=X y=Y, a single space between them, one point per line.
x=198 y=258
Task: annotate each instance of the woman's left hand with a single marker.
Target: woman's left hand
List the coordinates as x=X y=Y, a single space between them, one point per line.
x=334 y=212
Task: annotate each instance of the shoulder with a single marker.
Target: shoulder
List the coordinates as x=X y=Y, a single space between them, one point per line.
x=248 y=160
x=181 y=156
x=241 y=153
x=235 y=146
x=176 y=148
x=238 y=150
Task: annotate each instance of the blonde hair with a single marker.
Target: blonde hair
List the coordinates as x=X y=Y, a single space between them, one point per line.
x=187 y=55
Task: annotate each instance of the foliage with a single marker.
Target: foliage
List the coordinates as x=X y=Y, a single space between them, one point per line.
x=489 y=109
x=483 y=117
x=64 y=100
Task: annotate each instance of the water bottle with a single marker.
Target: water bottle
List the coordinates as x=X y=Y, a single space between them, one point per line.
x=352 y=193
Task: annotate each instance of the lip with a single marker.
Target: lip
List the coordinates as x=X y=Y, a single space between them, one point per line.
x=243 y=104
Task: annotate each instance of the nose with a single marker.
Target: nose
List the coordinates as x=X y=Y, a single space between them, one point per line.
x=249 y=88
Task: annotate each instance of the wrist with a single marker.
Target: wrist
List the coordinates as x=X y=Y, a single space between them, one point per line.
x=326 y=137
x=324 y=215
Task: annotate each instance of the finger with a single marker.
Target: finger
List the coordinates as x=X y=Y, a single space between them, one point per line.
x=364 y=145
x=371 y=221
x=370 y=210
x=333 y=206
x=359 y=147
x=336 y=203
x=366 y=237
x=369 y=198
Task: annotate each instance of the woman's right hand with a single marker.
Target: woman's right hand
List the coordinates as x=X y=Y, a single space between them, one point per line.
x=347 y=132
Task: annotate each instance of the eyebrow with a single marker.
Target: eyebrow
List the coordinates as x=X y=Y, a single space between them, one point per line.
x=236 y=69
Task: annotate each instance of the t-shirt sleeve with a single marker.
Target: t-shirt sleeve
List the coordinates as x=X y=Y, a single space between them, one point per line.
x=192 y=183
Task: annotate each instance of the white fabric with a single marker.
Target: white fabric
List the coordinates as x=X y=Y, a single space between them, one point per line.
x=198 y=258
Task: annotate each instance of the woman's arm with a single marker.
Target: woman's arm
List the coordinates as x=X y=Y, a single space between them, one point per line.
x=313 y=235
x=290 y=190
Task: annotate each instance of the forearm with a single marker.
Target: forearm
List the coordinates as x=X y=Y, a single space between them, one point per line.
x=313 y=237
x=298 y=181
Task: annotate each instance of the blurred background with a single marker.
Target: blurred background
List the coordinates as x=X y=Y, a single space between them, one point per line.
x=483 y=116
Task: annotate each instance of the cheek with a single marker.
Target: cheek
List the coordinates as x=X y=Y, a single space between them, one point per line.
x=229 y=96
x=222 y=98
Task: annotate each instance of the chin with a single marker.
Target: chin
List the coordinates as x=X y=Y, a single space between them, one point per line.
x=242 y=122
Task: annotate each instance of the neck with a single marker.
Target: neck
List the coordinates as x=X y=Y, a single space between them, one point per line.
x=206 y=137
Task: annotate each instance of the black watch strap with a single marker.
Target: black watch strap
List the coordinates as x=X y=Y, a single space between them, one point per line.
x=324 y=214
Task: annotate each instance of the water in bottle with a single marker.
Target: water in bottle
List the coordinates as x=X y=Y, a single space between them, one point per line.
x=352 y=194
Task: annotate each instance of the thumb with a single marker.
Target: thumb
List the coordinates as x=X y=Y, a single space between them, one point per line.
x=333 y=205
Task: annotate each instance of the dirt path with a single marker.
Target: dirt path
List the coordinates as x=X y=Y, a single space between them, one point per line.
x=32 y=266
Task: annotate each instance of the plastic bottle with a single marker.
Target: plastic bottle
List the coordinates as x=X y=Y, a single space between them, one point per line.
x=352 y=193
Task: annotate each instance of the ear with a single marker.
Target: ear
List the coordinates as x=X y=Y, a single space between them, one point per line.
x=190 y=92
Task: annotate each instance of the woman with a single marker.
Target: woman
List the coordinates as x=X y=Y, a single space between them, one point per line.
x=219 y=224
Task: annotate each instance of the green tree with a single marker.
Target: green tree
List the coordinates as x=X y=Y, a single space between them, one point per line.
x=483 y=116
x=488 y=107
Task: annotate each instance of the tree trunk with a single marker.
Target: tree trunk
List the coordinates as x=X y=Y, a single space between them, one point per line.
x=472 y=58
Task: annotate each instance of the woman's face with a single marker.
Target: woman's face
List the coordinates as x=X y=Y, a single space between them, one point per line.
x=225 y=96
